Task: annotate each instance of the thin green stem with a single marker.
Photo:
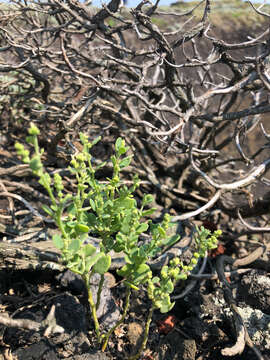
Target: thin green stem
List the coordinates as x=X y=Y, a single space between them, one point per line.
x=100 y=286
x=51 y=195
x=36 y=147
x=92 y=306
x=119 y=322
x=59 y=223
x=145 y=336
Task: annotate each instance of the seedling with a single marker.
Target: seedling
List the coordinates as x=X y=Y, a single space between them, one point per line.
x=110 y=212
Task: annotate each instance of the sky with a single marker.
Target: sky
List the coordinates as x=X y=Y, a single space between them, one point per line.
x=133 y=3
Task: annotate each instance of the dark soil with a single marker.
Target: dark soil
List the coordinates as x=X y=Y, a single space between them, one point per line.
x=203 y=321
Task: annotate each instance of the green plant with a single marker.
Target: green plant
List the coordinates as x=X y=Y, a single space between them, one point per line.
x=110 y=212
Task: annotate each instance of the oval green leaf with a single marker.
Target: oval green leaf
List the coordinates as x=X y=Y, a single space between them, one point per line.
x=82 y=228
x=91 y=260
x=103 y=264
x=74 y=246
x=89 y=250
x=58 y=241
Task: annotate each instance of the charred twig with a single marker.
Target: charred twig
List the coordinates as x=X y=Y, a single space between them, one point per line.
x=49 y=324
x=241 y=331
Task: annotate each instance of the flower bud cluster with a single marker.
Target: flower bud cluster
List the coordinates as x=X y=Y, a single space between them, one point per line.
x=160 y=287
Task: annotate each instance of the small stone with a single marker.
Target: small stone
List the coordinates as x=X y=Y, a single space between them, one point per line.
x=110 y=280
x=189 y=350
x=108 y=312
x=134 y=333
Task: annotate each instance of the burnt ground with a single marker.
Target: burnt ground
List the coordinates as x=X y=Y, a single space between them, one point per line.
x=200 y=325
x=202 y=321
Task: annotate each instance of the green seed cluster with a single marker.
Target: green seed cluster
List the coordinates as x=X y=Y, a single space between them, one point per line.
x=160 y=287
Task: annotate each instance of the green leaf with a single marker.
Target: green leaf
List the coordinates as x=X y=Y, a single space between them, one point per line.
x=108 y=203
x=125 y=227
x=148 y=212
x=182 y=276
x=119 y=244
x=88 y=250
x=141 y=274
x=91 y=219
x=142 y=228
x=168 y=288
x=166 y=307
x=93 y=183
x=33 y=130
x=147 y=199
x=171 y=240
x=101 y=165
x=133 y=255
x=48 y=210
x=75 y=264
x=91 y=260
x=54 y=207
x=71 y=209
x=83 y=138
x=164 y=304
x=74 y=246
x=161 y=231
x=67 y=197
x=127 y=203
x=96 y=140
x=71 y=224
x=82 y=228
x=58 y=241
x=35 y=163
x=82 y=237
x=125 y=162
x=118 y=247
x=19 y=147
x=103 y=264
x=93 y=204
x=125 y=270
x=120 y=146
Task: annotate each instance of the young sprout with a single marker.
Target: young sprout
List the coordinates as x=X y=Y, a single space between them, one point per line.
x=110 y=212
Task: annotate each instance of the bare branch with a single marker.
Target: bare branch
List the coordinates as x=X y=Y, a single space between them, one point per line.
x=49 y=323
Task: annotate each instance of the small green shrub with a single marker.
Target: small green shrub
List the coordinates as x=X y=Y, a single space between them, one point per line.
x=110 y=212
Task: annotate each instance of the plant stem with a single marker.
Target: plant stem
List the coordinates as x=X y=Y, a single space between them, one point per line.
x=92 y=306
x=100 y=286
x=145 y=336
x=119 y=322
x=59 y=222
